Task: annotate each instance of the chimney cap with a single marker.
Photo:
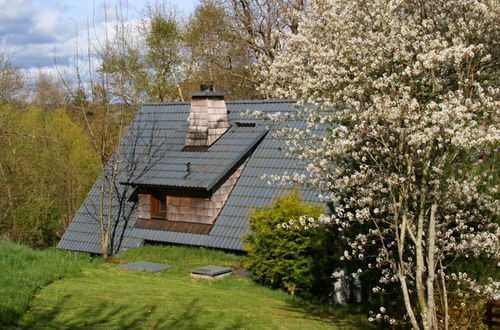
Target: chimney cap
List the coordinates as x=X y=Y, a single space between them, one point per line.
x=207 y=86
x=207 y=92
x=207 y=95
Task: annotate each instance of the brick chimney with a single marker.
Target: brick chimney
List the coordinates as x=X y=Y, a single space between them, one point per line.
x=208 y=117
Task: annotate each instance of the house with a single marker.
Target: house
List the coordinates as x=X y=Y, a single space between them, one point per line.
x=189 y=172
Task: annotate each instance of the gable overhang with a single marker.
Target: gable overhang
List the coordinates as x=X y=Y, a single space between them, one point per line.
x=217 y=182
x=211 y=186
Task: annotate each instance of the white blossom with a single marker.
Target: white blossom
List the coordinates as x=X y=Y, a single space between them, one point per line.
x=402 y=119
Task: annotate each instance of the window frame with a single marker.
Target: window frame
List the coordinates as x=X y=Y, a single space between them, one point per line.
x=156 y=212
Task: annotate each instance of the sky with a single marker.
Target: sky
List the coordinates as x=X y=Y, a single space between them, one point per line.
x=35 y=34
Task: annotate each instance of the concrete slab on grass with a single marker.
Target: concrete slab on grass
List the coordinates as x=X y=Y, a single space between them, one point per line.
x=210 y=272
x=144 y=265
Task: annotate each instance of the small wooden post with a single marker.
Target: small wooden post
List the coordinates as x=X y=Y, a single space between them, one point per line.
x=492 y=315
x=488 y=317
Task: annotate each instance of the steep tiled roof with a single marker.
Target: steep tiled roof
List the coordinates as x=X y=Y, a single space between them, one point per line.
x=145 y=148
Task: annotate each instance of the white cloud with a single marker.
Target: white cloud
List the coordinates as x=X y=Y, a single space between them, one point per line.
x=37 y=37
x=46 y=22
x=12 y=10
x=38 y=33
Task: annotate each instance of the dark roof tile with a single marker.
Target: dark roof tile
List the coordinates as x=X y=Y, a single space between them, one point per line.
x=157 y=131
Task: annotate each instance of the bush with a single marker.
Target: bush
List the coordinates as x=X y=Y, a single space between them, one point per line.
x=466 y=307
x=293 y=259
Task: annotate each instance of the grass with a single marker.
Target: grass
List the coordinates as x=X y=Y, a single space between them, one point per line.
x=24 y=271
x=106 y=297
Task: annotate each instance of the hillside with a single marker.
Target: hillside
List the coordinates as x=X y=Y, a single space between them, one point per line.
x=103 y=296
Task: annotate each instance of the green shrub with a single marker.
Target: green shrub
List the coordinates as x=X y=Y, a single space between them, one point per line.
x=292 y=259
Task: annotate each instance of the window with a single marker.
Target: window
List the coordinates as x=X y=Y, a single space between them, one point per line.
x=159 y=206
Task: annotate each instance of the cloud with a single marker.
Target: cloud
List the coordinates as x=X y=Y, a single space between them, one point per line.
x=36 y=36
x=38 y=33
x=29 y=33
x=22 y=22
x=12 y=10
x=15 y=16
x=46 y=22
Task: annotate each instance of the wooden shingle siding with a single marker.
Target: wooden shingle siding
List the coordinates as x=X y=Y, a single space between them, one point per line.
x=189 y=209
x=202 y=210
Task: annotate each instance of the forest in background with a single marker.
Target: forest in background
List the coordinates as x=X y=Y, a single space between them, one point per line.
x=58 y=131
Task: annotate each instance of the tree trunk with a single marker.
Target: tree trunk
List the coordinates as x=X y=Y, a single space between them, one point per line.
x=401 y=273
x=406 y=298
x=431 y=268
x=419 y=250
x=445 y=296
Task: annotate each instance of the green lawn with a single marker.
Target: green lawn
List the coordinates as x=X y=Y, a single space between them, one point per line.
x=105 y=297
x=24 y=271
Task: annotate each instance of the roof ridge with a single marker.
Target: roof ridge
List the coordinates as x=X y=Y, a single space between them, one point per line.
x=173 y=103
x=165 y=103
x=262 y=101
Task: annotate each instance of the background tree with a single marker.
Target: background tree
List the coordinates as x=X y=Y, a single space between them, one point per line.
x=258 y=27
x=217 y=53
x=143 y=62
x=163 y=40
x=160 y=57
x=409 y=97
x=48 y=92
x=262 y=22
x=246 y=32
x=39 y=201
x=11 y=79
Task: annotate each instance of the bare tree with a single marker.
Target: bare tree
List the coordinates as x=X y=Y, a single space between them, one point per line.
x=217 y=54
x=11 y=79
x=48 y=92
x=97 y=97
x=261 y=22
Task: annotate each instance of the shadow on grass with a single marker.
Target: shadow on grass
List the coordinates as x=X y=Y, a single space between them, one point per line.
x=189 y=320
x=103 y=315
x=8 y=316
x=98 y=315
x=348 y=317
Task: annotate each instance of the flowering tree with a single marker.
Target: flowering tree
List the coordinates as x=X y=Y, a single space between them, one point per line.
x=408 y=92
